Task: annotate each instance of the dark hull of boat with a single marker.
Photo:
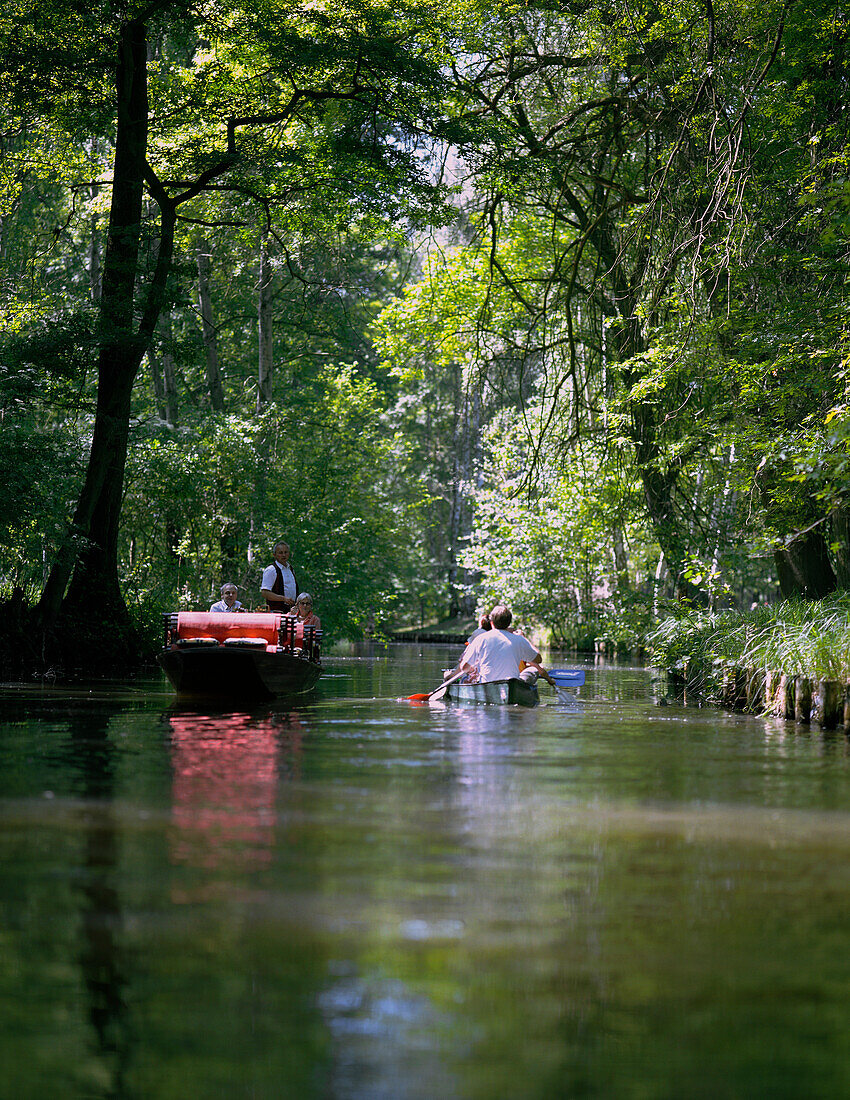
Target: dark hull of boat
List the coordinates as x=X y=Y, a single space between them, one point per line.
x=222 y=672
x=511 y=692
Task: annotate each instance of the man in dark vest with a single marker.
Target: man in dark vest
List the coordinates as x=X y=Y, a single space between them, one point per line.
x=279 y=587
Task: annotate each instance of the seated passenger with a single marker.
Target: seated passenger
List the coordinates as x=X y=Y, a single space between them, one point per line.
x=484 y=625
x=496 y=654
x=303 y=611
x=228 y=601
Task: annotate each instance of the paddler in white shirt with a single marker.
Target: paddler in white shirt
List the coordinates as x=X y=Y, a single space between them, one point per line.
x=497 y=654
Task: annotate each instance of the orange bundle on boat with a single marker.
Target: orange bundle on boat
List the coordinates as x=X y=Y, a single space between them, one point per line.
x=192 y=625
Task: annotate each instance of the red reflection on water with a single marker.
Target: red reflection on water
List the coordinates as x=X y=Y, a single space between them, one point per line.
x=225 y=786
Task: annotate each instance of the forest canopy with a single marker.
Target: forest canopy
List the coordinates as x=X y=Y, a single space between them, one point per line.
x=547 y=303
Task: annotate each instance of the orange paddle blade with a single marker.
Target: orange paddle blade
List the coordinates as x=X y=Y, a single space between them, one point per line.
x=421 y=695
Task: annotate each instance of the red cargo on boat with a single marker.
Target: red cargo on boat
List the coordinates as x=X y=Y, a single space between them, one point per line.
x=253 y=655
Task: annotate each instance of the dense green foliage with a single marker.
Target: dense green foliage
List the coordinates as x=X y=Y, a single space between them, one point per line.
x=548 y=304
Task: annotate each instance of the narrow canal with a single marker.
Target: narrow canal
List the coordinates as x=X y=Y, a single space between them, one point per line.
x=357 y=897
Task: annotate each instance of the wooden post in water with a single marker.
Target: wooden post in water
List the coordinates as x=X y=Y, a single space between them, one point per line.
x=826 y=703
x=774 y=689
x=771 y=688
x=802 y=699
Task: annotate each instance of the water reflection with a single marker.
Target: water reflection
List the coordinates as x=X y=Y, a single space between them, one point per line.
x=361 y=899
x=101 y=959
x=383 y=1033
x=227 y=769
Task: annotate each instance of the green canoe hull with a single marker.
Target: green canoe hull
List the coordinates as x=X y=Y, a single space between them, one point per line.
x=504 y=692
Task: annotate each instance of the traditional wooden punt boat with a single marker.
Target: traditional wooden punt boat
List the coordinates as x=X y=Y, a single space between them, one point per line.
x=512 y=692
x=256 y=655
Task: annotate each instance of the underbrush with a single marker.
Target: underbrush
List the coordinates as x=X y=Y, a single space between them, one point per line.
x=797 y=637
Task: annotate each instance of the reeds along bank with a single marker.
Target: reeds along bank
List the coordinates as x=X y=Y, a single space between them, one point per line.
x=791 y=659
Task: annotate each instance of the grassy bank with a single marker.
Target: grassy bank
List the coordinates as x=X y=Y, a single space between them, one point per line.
x=794 y=637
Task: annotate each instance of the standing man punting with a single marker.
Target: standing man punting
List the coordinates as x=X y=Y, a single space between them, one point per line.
x=278 y=586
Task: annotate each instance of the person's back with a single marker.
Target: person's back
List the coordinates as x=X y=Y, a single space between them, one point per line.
x=496 y=653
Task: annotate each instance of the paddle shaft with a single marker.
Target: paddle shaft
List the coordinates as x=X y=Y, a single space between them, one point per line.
x=442 y=687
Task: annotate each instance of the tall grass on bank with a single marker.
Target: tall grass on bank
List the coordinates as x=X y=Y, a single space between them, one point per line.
x=797 y=637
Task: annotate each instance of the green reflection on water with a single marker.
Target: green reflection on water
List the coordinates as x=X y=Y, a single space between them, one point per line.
x=353 y=897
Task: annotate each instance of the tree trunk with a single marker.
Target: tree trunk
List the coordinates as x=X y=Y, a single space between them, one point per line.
x=90 y=553
x=659 y=480
x=157 y=382
x=840 y=540
x=620 y=561
x=210 y=338
x=264 y=318
x=659 y=477
x=169 y=373
x=803 y=567
x=94 y=256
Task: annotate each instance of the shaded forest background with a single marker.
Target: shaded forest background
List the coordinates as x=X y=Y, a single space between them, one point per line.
x=548 y=304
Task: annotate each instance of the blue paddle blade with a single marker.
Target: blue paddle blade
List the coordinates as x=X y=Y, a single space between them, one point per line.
x=567 y=676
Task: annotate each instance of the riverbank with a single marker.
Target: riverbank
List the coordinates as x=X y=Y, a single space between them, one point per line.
x=791 y=659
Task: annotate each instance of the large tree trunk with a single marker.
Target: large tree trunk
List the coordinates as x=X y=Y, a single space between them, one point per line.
x=803 y=567
x=90 y=553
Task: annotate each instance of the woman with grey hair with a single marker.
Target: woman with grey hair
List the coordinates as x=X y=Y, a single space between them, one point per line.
x=303 y=611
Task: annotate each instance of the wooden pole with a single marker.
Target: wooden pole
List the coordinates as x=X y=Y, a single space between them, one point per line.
x=802 y=699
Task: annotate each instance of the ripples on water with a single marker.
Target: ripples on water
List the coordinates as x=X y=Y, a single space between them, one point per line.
x=356 y=897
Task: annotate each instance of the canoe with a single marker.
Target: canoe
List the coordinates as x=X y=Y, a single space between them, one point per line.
x=257 y=655
x=511 y=692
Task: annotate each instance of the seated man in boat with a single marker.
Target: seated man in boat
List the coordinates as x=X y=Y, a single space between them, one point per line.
x=228 y=601
x=278 y=585
x=303 y=611
x=496 y=654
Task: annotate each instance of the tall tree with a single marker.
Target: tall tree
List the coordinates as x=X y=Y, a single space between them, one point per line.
x=268 y=101
x=621 y=133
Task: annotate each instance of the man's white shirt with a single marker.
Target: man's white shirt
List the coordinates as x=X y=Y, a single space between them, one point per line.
x=497 y=654
x=270 y=579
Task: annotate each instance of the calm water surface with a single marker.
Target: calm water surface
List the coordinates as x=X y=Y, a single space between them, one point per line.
x=357 y=897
